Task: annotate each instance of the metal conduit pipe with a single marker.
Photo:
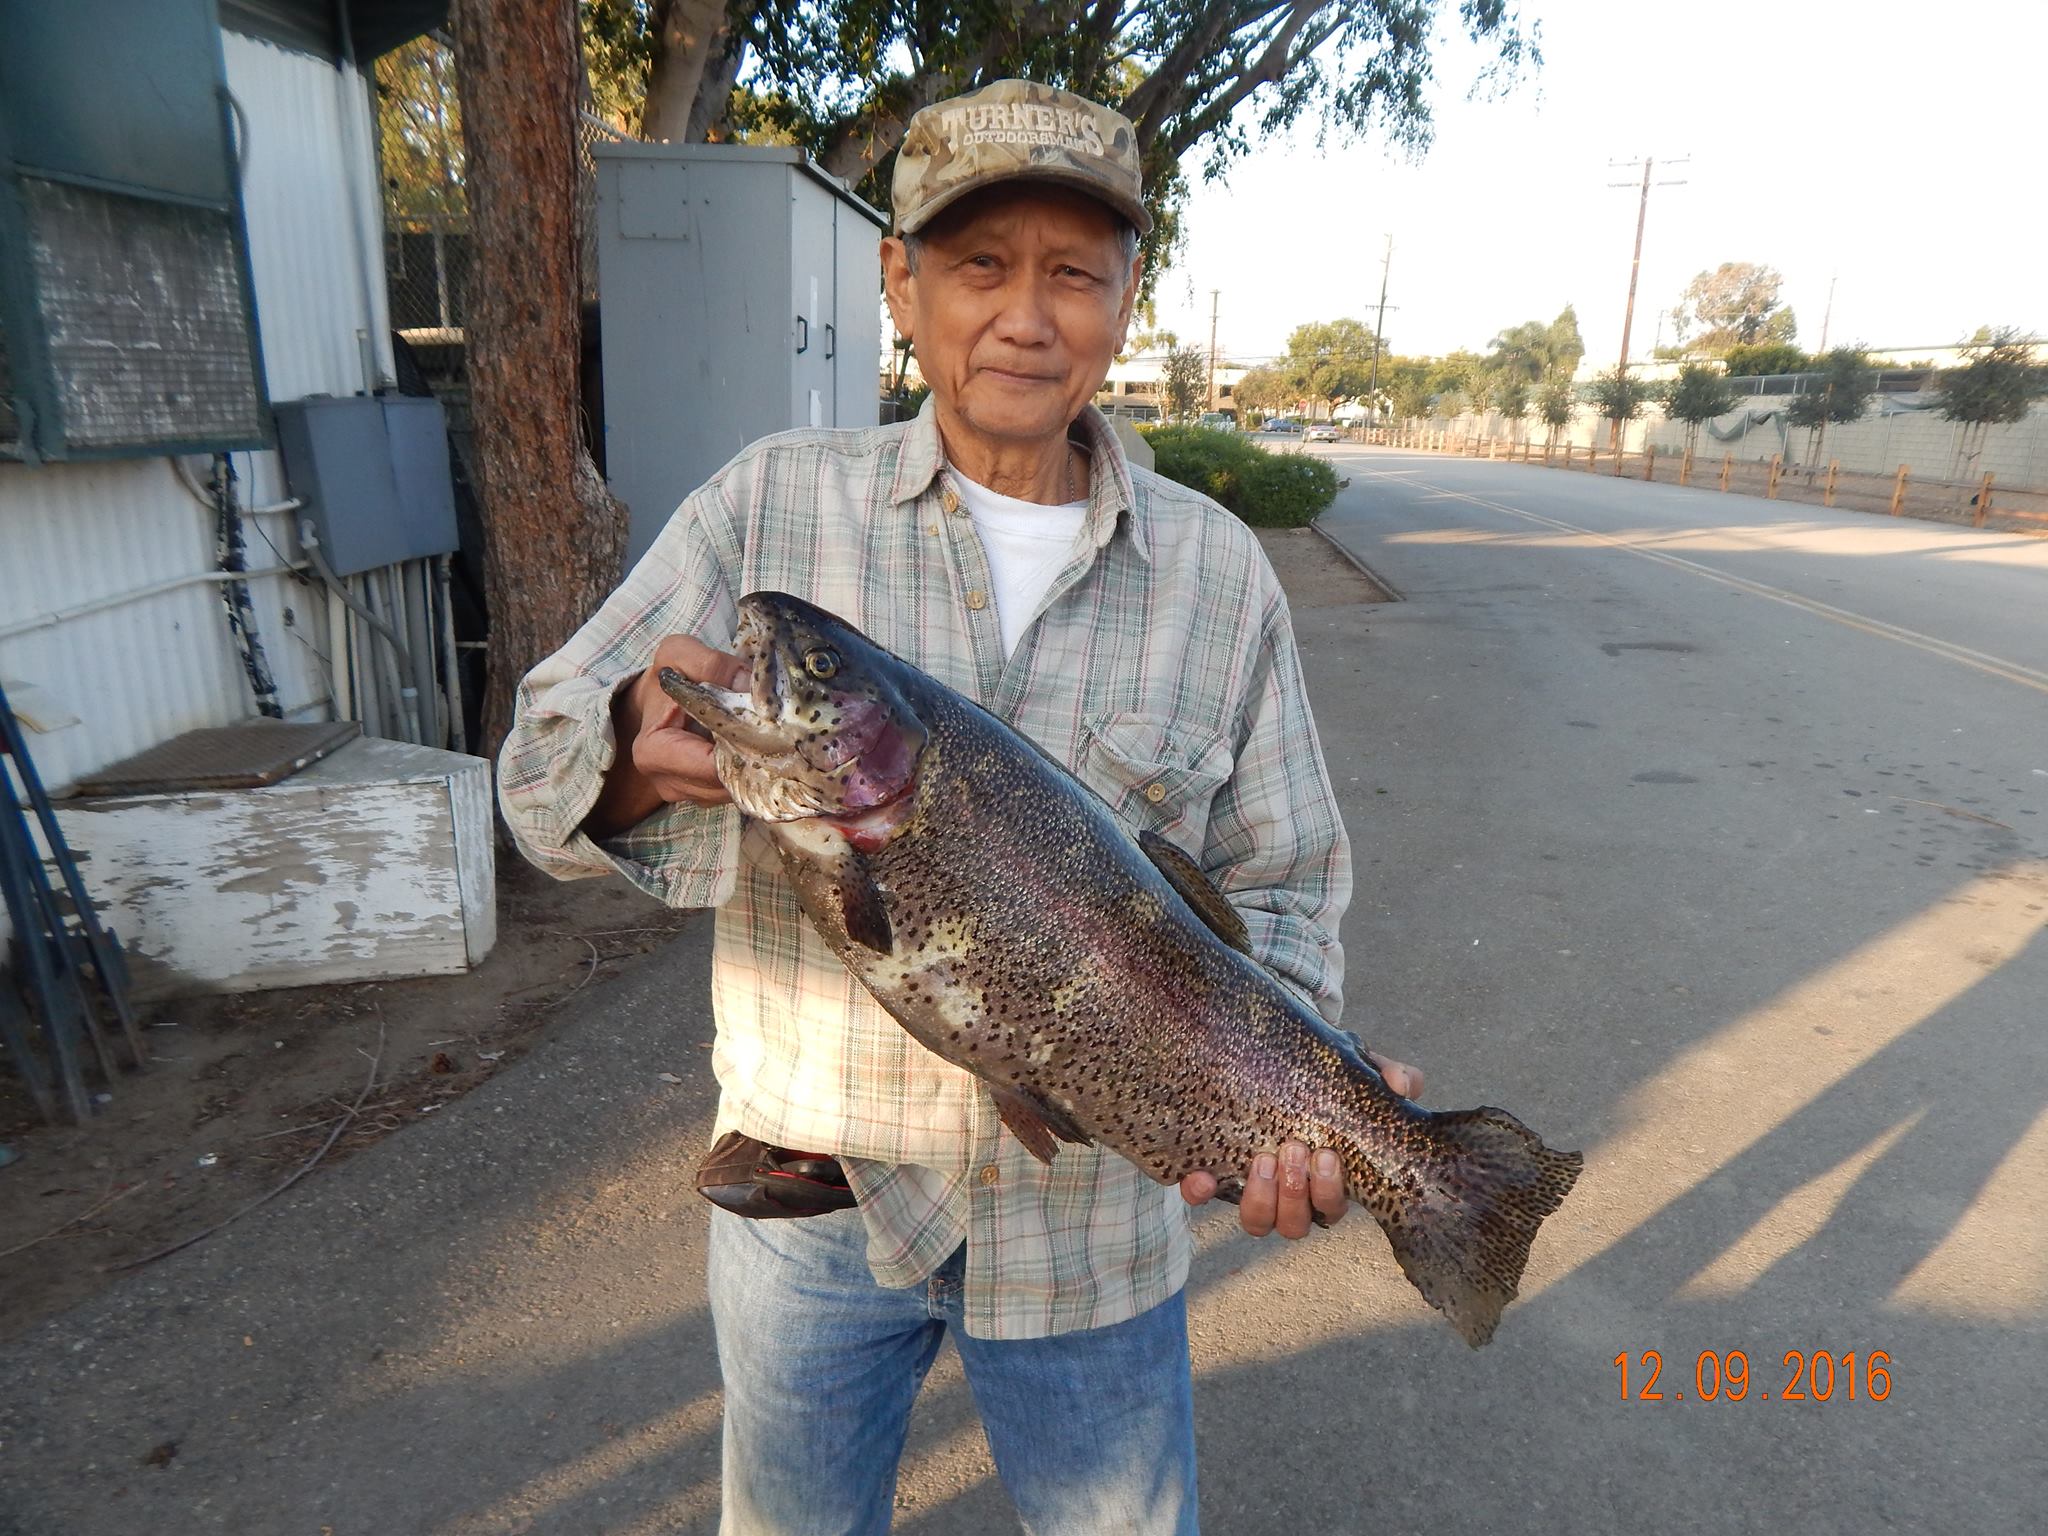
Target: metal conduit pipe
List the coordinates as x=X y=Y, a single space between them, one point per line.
x=56 y=616
x=183 y=472
x=405 y=696
x=451 y=657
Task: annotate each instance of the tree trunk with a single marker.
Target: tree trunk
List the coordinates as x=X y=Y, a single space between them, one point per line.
x=554 y=538
x=687 y=31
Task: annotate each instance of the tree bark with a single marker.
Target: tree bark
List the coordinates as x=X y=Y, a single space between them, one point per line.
x=554 y=538
x=688 y=31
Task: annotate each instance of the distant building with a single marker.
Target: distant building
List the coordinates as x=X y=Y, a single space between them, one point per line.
x=1136 y=387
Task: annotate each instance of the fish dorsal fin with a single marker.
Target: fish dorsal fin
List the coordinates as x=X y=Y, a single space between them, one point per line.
x=1196 y=889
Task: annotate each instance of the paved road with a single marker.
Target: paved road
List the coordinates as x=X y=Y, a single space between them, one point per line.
x=1715 y=833
x=1698 y=861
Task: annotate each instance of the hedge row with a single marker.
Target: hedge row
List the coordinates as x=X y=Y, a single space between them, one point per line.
x=1267 y=490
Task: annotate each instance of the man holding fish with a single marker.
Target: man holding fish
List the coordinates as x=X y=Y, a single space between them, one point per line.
x=1134 y=631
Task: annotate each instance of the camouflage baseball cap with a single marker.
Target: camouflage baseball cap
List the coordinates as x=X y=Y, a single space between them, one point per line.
x=1016 y=130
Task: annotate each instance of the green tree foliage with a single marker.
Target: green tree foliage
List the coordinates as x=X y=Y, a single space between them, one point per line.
x=1454 y=372
x=1556 y=402
x=1533 y=350
x=1263 y=390
x=1700 y=395
x=1620 y=396
x=1755 y=359
x=1736 y=304
x=1329 y=359
x=1843 y=393
x=1186 y=382
x=1406 y=383
x=1512 y=399
x=1268 y=490
x=1195 y=76
x=2001 y=380
x=419 y=132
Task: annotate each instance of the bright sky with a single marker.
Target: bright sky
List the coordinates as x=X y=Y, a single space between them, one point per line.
x=1922 y=191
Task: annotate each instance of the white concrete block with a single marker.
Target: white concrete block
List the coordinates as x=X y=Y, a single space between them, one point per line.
x=374 y=863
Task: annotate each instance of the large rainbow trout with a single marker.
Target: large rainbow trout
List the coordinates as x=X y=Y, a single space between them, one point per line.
x=1097 y=983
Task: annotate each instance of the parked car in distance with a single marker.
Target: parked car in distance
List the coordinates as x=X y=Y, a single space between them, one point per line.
x=1281 y=424
x=1320 y=432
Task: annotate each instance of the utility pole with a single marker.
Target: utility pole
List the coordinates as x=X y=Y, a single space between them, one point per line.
x=1635 y=265
x=1380 y=325
x=1214 y=293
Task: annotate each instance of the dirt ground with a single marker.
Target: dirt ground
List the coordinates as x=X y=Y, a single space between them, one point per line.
x=243 y=1090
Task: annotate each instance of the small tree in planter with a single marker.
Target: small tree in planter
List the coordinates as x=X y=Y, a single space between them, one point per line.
x=1847 y=383
x=1620 y=399
x=1513 y=404
x=1700 y=395
x=1995 y=387
x=1556 y=403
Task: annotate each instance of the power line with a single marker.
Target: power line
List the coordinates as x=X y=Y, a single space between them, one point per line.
x=1635 y=265
x=1380 y=325
x=1210 y=398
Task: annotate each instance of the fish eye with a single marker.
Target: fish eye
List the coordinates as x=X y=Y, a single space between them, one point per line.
x=821 y=661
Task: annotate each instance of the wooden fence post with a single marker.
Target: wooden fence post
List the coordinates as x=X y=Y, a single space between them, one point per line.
x=1727 y=465
x=1685 y=468
x=1899 y=491
x=1649 y=460
x=1983 y=499
x=1777 y=468
x=1827 y=495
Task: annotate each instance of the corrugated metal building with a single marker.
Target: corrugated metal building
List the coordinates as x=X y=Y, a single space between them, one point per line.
x=110 y=596
x=114 y=632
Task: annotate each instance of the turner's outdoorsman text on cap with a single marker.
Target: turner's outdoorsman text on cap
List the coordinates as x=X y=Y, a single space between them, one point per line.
x=1016 y=130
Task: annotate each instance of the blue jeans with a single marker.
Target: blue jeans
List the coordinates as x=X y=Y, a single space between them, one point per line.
x=1092 y=1432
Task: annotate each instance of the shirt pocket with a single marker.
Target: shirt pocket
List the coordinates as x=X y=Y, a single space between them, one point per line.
x=1155 y=774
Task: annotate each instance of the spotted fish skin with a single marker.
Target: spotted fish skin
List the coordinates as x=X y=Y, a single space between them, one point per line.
x=1002 y=915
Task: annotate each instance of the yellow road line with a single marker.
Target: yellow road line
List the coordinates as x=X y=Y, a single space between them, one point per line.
x=1996 y=666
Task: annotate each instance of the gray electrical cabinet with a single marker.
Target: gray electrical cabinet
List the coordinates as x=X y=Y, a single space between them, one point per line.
x=740 y=289
x=373 y=472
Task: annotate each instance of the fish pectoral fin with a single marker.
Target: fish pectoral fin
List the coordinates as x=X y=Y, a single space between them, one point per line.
x=861 y=908
x=1036 y=1123
x=1197 y=890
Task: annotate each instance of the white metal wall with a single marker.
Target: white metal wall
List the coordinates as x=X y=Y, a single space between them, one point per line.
x=75 y=536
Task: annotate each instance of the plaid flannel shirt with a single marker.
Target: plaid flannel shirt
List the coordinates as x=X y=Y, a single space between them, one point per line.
x=1160 y=667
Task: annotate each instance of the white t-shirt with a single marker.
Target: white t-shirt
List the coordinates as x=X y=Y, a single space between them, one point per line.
x=1027 y=544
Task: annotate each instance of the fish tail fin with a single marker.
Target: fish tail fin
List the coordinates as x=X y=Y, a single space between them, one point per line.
x=1462 y=1225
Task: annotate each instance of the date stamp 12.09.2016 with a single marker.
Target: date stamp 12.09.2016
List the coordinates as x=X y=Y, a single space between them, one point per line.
x=1723 y=1376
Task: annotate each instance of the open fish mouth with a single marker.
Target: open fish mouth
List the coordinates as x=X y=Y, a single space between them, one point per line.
x=817 y=727
x=750 y=717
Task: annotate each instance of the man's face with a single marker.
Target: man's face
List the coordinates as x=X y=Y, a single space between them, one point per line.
x=1019 y=302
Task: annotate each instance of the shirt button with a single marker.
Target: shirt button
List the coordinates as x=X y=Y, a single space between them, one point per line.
x=949 y=500
x=990 y=1174
x=977 y=600
x=932 y=529
x=1155 y=792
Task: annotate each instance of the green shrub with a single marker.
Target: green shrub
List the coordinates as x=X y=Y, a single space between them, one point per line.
x=1267 y=490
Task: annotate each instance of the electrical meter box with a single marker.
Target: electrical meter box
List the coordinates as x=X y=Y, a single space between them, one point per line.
x=373 y=473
